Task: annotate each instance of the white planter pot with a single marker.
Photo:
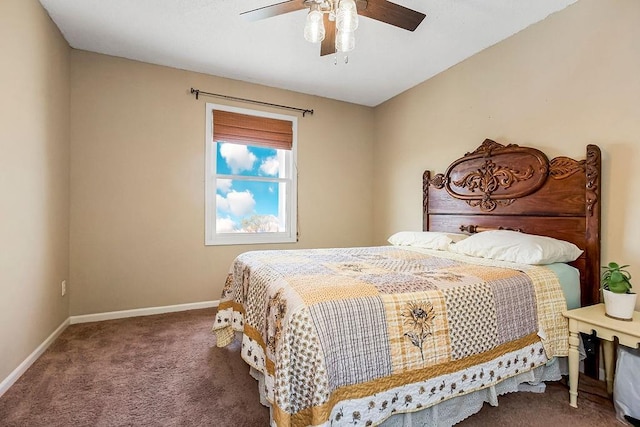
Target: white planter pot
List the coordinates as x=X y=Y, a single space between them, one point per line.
x=619 y=306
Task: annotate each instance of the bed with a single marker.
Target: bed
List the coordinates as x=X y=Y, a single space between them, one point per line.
x=426 y=330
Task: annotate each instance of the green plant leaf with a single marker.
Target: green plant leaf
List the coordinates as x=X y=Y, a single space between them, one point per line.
x=618 y=287
x=616 y=276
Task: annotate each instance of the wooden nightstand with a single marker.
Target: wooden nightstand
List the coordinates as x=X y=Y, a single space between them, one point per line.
x=592 y=319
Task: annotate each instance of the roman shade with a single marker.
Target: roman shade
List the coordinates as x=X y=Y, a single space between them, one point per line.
x=252 y=130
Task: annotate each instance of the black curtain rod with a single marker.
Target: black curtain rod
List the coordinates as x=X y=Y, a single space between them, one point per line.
x=199 y=92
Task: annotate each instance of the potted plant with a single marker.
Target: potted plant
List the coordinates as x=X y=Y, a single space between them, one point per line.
x=619 y=301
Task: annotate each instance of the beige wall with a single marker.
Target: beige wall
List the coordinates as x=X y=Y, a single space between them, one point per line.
x=137 y=182
x=34 y=179
x=571 y=80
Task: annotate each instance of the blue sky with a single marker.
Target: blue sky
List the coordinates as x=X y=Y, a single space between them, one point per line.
x=237 y=199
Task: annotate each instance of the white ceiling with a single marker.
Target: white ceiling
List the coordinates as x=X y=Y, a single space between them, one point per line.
x=210 y=36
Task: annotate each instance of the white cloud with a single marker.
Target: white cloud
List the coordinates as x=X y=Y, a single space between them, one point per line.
x=270 y=166
x=222 y=203
x=239 y=203
x=225 y=225
x=238 y=157
x=223 y=185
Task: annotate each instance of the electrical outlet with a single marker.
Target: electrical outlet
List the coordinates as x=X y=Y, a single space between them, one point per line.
x=63 y=285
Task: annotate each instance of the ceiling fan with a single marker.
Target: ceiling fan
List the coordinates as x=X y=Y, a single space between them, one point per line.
x=332 y=22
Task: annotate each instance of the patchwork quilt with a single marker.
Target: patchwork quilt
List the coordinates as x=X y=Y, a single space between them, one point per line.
x=354 y=335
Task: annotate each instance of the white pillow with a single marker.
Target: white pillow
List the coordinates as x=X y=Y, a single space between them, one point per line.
x=505 y=245
x=426 y=239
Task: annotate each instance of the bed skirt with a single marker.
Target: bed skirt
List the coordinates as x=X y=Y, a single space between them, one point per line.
x=455 y=410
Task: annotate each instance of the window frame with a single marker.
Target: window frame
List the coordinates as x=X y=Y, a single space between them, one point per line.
x=212 y=237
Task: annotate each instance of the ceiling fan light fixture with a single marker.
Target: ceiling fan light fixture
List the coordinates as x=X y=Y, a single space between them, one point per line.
x=314 y=27
x=345 y=41
x=347 y=16
x=338 y=19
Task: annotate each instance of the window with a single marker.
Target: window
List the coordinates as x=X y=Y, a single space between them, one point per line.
x=250 y=176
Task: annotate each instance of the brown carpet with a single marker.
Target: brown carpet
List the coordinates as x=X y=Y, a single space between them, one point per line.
x=165 y=370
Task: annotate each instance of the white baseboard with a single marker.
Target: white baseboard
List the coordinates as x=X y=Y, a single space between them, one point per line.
x=72 y=320
x=22 y=368
x=110 y=315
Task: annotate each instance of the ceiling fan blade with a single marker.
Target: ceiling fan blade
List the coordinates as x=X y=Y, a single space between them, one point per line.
x=328 y=45
x=273 y=10
x=392 y=13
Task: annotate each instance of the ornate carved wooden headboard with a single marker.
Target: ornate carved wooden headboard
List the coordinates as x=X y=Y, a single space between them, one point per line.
x=519 y=188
